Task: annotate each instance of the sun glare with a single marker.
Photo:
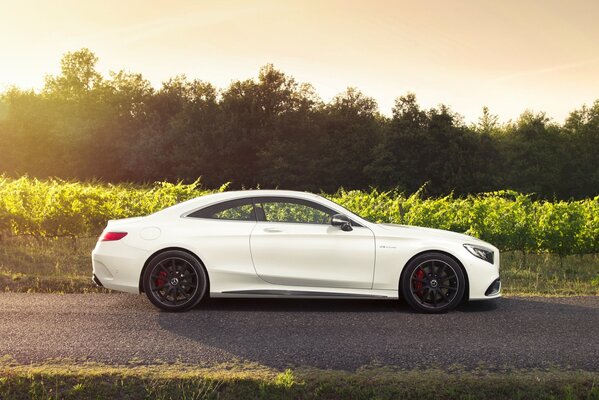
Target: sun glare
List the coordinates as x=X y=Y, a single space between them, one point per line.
x=464 y=54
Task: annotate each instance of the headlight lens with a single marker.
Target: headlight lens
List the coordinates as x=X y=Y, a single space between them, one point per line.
x=481 y=252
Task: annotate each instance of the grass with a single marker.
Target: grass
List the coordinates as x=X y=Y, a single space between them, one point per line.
x=63 y=265
x=64 y=379
x=548 y=275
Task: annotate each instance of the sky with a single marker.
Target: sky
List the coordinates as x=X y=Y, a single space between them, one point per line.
x=508 y=55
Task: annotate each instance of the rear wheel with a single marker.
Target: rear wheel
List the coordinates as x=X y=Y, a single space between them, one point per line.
x=433 y=283
x=175 y=281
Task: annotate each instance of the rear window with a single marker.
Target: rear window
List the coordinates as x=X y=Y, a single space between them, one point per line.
x=234 y=210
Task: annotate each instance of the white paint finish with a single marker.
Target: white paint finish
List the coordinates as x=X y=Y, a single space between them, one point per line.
x=118 y=265
x=150 y=233
x=313 y=255
x=299 y=257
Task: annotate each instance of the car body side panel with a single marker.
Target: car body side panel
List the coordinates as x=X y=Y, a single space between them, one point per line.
x=313 y=255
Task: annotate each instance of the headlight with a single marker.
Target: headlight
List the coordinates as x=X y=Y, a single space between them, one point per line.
x=480 y=252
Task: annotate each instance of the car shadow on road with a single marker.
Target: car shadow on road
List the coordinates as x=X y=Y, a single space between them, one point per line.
x=327 y=305
x=302 y=305
x=348 y=334
x=479 y=306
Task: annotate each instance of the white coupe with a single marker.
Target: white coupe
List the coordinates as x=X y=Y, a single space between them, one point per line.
x=275 y=243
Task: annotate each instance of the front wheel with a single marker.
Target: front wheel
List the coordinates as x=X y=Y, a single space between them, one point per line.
x=175 y=281
x=433 y=283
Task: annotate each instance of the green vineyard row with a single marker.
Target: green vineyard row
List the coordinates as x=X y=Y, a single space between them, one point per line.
x=509 y=220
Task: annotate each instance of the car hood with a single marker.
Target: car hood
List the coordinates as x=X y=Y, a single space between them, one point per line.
x=420 y=232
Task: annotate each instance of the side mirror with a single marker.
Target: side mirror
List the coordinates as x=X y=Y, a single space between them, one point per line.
x=341 y=221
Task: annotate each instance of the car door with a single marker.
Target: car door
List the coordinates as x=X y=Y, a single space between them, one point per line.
x=294 y=244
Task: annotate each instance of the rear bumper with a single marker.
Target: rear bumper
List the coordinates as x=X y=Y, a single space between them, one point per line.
x=96 y=281
x=117 y=266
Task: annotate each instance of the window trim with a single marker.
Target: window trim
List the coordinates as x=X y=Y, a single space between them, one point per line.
x=256 y=199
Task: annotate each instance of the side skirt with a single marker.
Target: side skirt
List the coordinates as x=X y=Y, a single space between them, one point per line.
x=296 y=293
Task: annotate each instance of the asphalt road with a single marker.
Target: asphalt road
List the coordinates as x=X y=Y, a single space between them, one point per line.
x=116 y=328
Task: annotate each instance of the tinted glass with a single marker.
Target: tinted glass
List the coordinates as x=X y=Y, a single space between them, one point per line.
x=236 y=210
x=294 y=210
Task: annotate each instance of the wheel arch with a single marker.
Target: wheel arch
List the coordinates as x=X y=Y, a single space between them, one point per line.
x=466 y=295
x=158 y=252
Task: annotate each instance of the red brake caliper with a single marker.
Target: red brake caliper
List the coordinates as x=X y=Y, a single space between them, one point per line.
x=162 y=280
x=418 y=283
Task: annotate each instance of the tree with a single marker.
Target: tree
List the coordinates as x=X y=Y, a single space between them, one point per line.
x=393 y=155
x=78 y=75
x=533 y=155
x=487 y=123
x=580 y=138
x=273 y=131
x=351 y=126
x=257 y=117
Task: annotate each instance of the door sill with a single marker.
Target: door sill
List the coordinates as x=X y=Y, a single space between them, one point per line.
x=302 y=294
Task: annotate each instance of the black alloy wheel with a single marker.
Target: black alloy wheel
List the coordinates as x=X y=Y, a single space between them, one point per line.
x=175 y=281
x=433 y=283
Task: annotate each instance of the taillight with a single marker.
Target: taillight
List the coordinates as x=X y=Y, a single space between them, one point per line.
x=111 y=236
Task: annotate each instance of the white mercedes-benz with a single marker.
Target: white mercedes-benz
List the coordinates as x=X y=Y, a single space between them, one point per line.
x=275 y=243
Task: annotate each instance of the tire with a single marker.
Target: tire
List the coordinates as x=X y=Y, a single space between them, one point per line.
x=175 y=281
x=433 y=283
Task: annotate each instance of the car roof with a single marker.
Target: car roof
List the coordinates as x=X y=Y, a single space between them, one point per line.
x=234 y=194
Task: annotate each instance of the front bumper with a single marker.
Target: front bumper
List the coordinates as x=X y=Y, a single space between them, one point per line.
x=494 y=288
x=483 y=277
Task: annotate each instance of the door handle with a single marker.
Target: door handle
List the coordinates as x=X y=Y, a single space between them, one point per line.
x=271 y=230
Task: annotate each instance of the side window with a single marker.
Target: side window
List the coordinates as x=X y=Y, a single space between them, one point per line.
x=294 y=210
x=236 y=210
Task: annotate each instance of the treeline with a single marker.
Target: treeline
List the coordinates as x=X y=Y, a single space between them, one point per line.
x=275 y=132
x=509 y=220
